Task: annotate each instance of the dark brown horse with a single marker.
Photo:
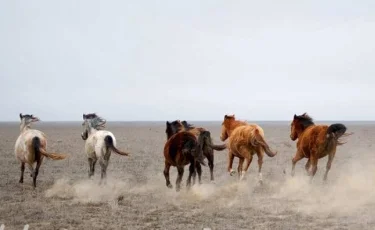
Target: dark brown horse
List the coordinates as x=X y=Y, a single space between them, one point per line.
x=208 y=147
x=315 y=142
x=181 y=149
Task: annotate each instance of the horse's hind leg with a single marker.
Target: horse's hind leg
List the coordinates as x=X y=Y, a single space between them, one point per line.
x=166 y=174
x=180 y=170
x=329 y=163
x=247 y=165
x=22 y=171
x=199 y=171
x=191 y=172
x=36 y=172
x=240 y=166
x=295 y=159
x=260 y=163
x=210 y=159
x=307 y=166
x=91 y=167
x=230 y=163
x=314 y=167
x=103 y=164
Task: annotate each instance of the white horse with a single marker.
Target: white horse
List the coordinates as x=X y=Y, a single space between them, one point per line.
x=99 y=143
x=31 y=146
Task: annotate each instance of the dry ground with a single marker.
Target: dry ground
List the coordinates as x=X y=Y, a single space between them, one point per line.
x=66 y=199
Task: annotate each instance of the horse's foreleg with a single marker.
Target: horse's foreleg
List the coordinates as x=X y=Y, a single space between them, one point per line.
x=22 y=171
x=191 y=172
x=166 y=174
x=230 y=163
x=199 y=171
x=295 y=159
x=180 y=170
x=329 y=163
x=36 y=172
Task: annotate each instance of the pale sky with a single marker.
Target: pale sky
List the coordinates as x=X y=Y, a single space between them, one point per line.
x=189 y=60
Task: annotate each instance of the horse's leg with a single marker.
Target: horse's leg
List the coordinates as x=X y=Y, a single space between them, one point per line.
x=295 y=159
x=240 y=166
x=180 y=170
x=260 y=155
x=210 y=159
x=230 y=163
x=103 y=164
x=36 y=172
x=314 y=166
x=166 y=174
x=307 y=166
x=90 y=160
x=247 y=165
x=191 y=172
x=22 y=171
x=329 y=163
x=199 y=171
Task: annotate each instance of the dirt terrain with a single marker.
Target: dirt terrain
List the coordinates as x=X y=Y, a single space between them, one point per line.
x=136 y=197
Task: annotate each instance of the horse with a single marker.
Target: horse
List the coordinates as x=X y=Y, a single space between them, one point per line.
x=208 y=146
x=183 y=148
x=315 y=142
x=99 y=143
x=244 y=140
x=31 y=147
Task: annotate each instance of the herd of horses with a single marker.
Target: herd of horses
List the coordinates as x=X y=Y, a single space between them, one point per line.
x=189 y=145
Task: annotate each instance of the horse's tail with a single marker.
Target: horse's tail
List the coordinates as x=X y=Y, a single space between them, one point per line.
x=109 y=143
x=38 y=151
x=204 y=139
x=335 y=132
x=257 y=139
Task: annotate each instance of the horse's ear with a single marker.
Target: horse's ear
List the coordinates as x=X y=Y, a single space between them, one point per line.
x=295 y=116
x=226 y=116
x=167 y=123
x=304 y=114
x=21 y=116
x=84 y=116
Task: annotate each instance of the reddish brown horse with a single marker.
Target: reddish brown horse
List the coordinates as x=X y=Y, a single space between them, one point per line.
x=245 y=140
x=181 y=149
x=208 y=147
x=315 y=142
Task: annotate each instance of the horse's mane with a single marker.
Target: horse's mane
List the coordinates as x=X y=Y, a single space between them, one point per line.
x=187 y=125
x=96 y=122
x=305 y=120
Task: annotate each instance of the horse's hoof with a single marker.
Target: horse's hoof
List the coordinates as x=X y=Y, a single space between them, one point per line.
x=261 y=182
x=21 y=181
x=169 y=186
x=232 y=173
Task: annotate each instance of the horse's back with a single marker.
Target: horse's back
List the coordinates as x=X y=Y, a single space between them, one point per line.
x=174 y=146
x=23 y=146
x=95 y=143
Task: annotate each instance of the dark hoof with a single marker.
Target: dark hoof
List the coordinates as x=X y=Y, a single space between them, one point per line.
x=20 y=181
x=169 y=186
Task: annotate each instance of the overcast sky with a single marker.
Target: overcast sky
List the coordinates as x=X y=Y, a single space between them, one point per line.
x=193 y=60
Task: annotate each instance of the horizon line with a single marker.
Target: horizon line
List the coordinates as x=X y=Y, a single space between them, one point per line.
x=2 y=121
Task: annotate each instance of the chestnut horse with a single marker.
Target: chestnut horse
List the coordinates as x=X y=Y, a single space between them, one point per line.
x=31 y=147
x=183 y=148
x=315 y=142
x=208 y=146
x=245 y=140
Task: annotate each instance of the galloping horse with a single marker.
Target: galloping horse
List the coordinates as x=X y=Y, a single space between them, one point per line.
x=183 y=148
x=244 y=141
x=31 y=147
x=98 y=143
x=208 y=146
x=315 y=142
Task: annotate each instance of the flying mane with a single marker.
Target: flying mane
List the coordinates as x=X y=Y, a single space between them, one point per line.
x=305 y=120
x=97 y=122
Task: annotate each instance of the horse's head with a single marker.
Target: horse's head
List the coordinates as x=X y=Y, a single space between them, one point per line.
x=91 y=121
x=299 y=124
x=27 y=119
x=173 y=128
x=228 y=119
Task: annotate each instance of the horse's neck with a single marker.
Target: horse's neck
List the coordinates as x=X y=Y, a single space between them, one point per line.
x=233 y=125
x=303 y=130
x=24 y=127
